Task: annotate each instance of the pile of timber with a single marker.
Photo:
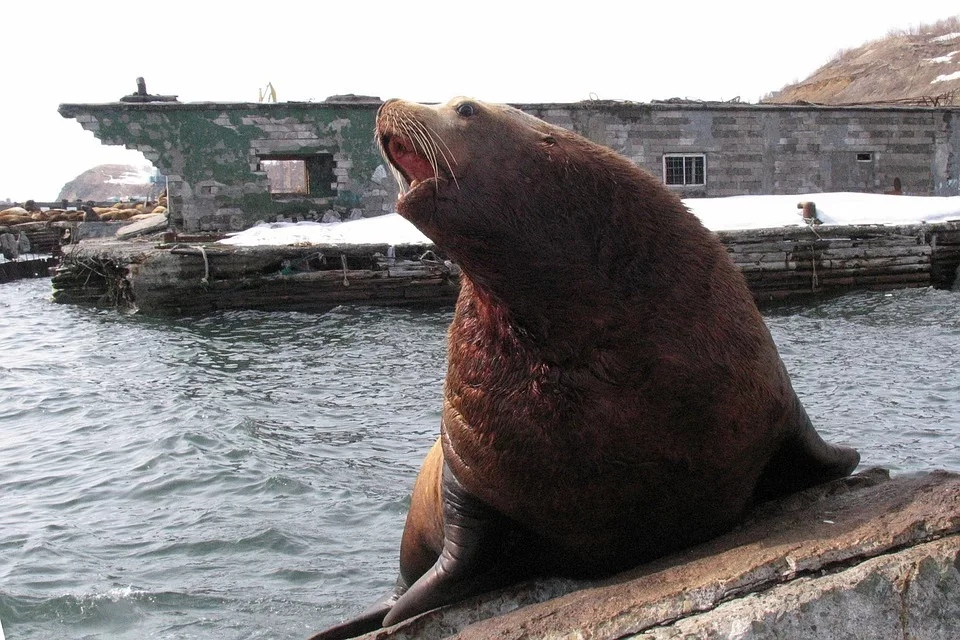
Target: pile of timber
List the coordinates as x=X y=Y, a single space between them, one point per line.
x=199 y=277
x=793 y=262
x=188 y=279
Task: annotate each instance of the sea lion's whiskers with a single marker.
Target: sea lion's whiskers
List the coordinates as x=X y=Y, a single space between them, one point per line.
x=447 y=160
x=390 y=125
x=397 y=127
x=422 y=141
x=427 y=145
x=436 y=141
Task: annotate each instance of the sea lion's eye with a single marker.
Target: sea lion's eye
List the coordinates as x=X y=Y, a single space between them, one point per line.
x=466 y=109
x=549 y=141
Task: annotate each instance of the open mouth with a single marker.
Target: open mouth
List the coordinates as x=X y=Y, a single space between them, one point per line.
x=412 y=165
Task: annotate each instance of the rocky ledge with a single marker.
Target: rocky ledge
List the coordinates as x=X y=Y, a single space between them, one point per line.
x=864 y=557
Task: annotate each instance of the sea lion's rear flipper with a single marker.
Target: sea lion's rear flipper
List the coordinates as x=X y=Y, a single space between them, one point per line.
x=472 y=561
x=804 y=460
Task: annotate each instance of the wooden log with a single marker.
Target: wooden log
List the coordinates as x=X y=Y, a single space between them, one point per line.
x=806 y=275
x=767 y=266
x=758 y=257
x=875 y=252
x=866 y=280
x=761 y=247
x=873 y=263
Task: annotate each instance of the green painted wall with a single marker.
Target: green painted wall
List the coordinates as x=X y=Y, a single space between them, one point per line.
x=210 y=154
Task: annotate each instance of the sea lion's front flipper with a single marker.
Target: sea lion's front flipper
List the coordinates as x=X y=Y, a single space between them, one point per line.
x=370 y=620
x=472 y=561
x=804 y=460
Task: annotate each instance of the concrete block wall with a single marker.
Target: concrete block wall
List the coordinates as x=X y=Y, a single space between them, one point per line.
x=211 y=152
x=775 y=149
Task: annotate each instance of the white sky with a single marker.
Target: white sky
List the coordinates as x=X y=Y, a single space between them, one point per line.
x=495 y=50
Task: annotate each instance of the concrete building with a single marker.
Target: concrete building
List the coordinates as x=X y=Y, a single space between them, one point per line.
x=229 y=165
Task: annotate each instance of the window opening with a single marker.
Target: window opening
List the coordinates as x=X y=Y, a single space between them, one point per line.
x=300 y=175
x=684 y=169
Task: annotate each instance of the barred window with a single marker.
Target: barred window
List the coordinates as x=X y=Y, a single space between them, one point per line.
x=684 y=169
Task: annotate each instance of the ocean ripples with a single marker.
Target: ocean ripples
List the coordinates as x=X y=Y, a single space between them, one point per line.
x=247 y=474
x=873 y=367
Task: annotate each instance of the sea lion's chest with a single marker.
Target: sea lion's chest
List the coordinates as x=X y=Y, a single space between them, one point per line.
x=520 y=428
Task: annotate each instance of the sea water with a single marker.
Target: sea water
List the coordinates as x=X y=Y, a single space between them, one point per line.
x=246 y=474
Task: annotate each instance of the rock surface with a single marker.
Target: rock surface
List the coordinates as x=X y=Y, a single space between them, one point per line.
x=864 y=557
x=106 y=181
x=149 y=224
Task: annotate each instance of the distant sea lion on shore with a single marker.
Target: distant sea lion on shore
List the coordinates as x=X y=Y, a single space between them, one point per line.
x=612 y=393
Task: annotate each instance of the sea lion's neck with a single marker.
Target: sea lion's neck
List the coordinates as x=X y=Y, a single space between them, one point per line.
x=536 y=311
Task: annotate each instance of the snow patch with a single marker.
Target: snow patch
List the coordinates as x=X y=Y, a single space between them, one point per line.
x=942 y=59
x=718 y=214
x=139 y=175
x=947 y=37
x=758 y=212
x=944 y=78
x=386 y=229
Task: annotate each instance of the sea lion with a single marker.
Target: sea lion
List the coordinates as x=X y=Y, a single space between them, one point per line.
x=612 y=391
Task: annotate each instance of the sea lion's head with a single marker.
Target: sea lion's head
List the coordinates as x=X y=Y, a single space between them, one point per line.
x=528 y=210
x=456 y=158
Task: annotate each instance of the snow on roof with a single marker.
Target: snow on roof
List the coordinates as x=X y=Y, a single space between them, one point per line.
x=719 y=214
x=386 y=229
x=758 y=212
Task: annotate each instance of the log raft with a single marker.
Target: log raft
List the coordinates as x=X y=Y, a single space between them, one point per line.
x=788 y=263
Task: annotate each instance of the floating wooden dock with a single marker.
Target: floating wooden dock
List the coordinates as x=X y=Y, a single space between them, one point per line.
x=185 y=278
x=30 y=268
x=36 y=261
x=795 y=262
x=199 y=277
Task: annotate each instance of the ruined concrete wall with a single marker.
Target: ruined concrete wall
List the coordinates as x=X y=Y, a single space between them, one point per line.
x=774 y=149
x=212 y=154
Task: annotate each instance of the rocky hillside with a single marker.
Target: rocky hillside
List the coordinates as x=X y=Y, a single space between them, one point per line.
x=111 y=181
x=920 y=67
